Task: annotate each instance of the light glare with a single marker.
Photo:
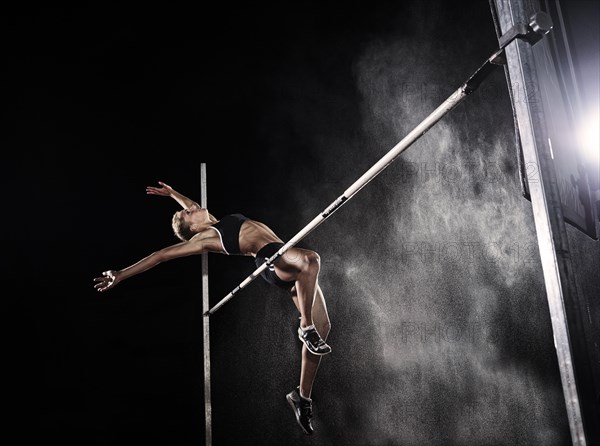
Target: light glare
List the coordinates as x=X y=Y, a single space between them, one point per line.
x=589 y=138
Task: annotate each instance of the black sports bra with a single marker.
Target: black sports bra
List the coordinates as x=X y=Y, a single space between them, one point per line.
x=228 y=228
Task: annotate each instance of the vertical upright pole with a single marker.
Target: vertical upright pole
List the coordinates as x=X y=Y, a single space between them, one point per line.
x=205 y=322
x=561 y=291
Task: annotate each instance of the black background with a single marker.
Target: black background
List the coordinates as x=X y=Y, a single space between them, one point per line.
x=103 y=100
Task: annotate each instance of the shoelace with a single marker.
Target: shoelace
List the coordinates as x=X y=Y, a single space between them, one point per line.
x=314 y=338
x=307 y=410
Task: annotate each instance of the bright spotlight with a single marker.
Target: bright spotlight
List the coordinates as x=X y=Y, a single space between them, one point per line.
x=589 y=138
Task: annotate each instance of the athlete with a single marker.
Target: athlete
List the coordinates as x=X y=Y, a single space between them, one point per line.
x=296 y=271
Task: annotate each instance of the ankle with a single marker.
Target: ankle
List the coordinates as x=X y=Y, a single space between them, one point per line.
x=306 y=398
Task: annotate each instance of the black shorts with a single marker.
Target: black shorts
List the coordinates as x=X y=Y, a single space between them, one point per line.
x=269 y=274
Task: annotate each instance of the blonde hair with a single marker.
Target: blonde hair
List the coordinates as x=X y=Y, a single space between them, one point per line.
x=181 y=228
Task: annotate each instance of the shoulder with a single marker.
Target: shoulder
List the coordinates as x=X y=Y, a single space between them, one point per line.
x=209 y=239
x=206 y=233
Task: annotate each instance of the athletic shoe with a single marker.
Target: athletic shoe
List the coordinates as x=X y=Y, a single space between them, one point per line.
x=313 y=341
x=302 y=408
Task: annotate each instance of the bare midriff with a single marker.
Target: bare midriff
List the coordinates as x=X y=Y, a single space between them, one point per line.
x=254 y=235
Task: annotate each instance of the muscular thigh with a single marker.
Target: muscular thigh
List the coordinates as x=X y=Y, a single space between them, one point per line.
x=291 y=263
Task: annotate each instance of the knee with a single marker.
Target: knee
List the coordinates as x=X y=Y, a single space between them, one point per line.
x=313 y=261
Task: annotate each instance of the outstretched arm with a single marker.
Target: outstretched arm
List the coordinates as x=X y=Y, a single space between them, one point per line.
x=167 y=191
x=111 y=278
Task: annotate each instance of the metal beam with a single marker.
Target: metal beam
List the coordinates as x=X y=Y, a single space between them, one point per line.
x=545 y=201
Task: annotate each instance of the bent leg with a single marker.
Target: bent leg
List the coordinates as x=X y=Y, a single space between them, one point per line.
x=310 y=362
x=301 y=266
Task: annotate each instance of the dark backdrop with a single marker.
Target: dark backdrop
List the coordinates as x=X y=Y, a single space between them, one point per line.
x=441 y=333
